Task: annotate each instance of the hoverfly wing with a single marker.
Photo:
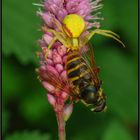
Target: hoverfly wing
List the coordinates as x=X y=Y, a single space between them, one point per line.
x=65 y=86
x=88 y=57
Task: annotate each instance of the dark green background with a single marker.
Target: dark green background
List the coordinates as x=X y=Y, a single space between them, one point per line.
x=26 y=114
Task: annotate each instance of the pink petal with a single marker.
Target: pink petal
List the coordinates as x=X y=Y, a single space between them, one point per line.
x=47 y=19
x=48 y=86
x=51 y=99
x=64 y=75
x=52 y=70
x=65 y=59
x=62 y=50
x=57 y=59
x=61 y=14
x=49 y=62
x=64 y=95
x=67 y=111
x=59 y=67
x=47 y=38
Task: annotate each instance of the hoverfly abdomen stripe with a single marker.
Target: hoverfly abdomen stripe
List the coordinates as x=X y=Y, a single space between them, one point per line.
x=72 y=55
x=82 y=77
x=74 y=74
x=74 y=79
x=77 y=72
x=75 y=68
x=69 y=61
x=77 y=82
x=73 y=64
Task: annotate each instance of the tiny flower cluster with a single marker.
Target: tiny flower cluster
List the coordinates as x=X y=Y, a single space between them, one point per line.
x=58 y=9
x=52 y=73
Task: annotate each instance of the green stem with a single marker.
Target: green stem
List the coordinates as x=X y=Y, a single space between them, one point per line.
x=61 y=126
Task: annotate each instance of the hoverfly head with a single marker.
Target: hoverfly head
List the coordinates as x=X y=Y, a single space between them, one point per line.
x=100 y=105
x=94 y=97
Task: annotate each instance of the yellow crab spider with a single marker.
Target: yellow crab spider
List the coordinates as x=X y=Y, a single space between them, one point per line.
x=72 y=27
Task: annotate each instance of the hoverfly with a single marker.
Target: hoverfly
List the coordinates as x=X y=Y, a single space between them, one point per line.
x=83 y=77
x=82 y=82
x=82 y=72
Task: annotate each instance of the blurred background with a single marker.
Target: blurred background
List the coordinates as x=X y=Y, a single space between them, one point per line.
x=26 y=114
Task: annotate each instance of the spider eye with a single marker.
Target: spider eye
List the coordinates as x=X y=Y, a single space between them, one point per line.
x=73 y=25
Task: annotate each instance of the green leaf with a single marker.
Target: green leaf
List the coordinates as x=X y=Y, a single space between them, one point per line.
x=18 y=81
x=35 y=108
x=13 y=80
x=5 y=121
x=85 y=124
x=35 y=135
x=122 y=21
x=119 y=74
x=20 y=30
x=116 y=131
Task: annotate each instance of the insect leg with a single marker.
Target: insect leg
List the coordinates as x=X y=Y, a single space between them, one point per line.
x=52 y=42
x=104 y=33
x=50 y=45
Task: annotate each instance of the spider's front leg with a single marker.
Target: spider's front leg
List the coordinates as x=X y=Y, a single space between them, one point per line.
x=52 y=42
x=106 y=33
x=58 y=37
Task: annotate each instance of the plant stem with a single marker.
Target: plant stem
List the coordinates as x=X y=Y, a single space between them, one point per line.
x=61 y=125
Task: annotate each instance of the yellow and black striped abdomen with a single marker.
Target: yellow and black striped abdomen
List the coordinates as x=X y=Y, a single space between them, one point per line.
x=77 y=71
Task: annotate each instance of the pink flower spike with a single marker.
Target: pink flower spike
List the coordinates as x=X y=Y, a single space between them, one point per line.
x=65 y=59
x=62 y=50
x=47 y=38
x=48 y=86
x=61 y=14
x=57 y=58
x=64 y=75
x=49 y=62
x=51 y=99
x=47 y=19
x=64 y=95
x=59 y=67
x=52 y=70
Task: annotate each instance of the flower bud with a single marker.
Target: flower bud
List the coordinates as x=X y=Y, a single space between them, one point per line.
x=47 y=38
x=48 y=86
x=59 y=67
x=57 y=58
x=62 y=50
x=51 y=99
x=64 y=75
x=67 y=111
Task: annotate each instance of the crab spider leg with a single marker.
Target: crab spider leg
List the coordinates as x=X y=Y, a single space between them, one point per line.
x=108 y=31
x=59 y=26
x=112 y=36
x=59 y=37
x=52 y=42
x=104 y=33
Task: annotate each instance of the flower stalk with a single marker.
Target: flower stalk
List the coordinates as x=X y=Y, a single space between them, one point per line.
x=61 y=125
